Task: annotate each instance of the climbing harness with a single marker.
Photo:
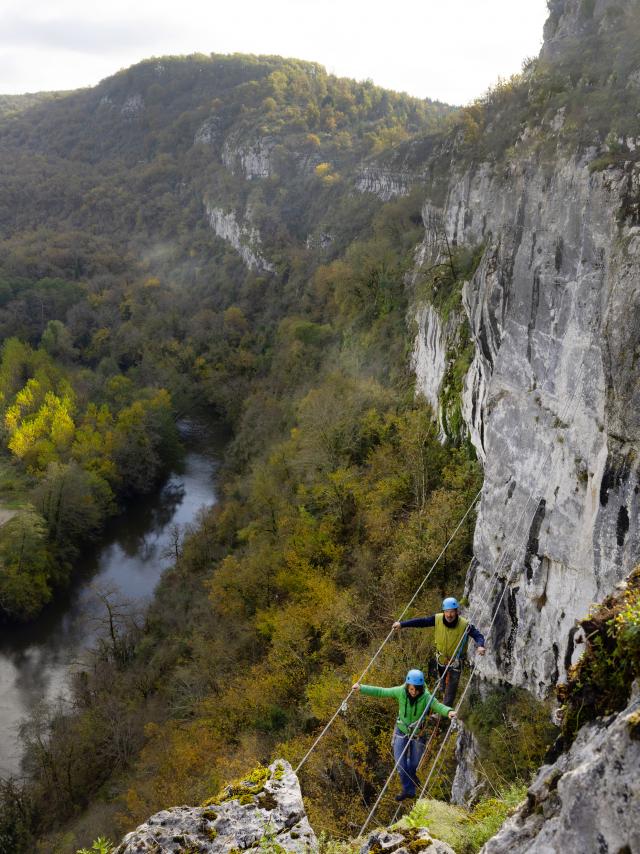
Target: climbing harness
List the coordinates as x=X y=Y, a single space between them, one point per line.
x=452 y=663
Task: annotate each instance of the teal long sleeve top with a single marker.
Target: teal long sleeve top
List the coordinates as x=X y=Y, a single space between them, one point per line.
x=408 y=713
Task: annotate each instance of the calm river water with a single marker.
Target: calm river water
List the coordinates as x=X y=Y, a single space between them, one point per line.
x=35 y=660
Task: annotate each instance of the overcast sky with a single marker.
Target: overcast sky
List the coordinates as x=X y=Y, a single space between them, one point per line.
x=450 y=50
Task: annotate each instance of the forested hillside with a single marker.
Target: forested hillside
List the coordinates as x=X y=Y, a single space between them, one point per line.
x=236 y=236
x=120 y=309
x=126 y=308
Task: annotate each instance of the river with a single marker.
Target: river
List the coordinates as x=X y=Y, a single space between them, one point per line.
x=35 y=660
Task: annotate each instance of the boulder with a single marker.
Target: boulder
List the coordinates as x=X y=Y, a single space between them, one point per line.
x=588 y=800
x=265 y=808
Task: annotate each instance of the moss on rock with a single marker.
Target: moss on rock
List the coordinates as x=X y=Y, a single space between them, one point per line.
x=243 y=790
x=634 y=726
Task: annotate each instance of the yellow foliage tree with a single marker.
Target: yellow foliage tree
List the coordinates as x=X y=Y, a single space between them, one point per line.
x=40 y=431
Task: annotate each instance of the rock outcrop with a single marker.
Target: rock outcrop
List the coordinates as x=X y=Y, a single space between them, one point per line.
x=430 y=353
x=573 y=20
x=245 y=239
x=467 y=784
x=589 y=800
x=384 y=183
x=251 y=160
x=264 y=810
x=404 y=841
x=267 y=806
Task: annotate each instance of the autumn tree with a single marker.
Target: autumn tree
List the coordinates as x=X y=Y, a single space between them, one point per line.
x=25 y=565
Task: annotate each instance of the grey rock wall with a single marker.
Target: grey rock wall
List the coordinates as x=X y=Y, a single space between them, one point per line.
x=467 y=784
x=251 y=160
x=386 y=183
x=436 y=337
x=429 y=360
x=550 y=400
x=243 y=237
x=571 y=20
x=589 y=800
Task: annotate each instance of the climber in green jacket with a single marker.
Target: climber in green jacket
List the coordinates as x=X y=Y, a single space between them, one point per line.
x=414 y=705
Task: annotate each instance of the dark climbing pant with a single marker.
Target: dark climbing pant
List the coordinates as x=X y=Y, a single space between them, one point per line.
x=450 y=681
x=408 y=760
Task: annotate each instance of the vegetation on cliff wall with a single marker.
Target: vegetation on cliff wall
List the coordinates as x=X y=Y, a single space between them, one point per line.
x=600 y=683
x=466 y=830
x=513 y=732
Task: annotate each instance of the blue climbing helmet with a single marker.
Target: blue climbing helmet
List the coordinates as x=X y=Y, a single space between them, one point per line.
x=415 y=677
x=449 y=603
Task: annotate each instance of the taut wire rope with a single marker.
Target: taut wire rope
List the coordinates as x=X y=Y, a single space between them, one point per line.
x=502 y=595
x=342 y=705
x=480 y=609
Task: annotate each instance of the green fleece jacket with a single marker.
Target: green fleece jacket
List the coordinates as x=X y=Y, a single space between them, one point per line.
x=408 y=713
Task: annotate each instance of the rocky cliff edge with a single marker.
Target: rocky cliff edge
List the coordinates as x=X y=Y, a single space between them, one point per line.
x=264 y=811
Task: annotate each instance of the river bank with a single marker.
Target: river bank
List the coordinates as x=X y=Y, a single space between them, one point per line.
x=36 y=659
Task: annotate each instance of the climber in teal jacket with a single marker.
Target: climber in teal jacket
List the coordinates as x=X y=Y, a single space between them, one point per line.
x=414 y=705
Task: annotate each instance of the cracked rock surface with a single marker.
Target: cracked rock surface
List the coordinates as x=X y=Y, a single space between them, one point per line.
x=273 y=811
x=589 y=800
x=552 y=397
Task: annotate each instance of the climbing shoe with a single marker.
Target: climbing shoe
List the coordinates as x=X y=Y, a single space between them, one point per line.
x=403 y=796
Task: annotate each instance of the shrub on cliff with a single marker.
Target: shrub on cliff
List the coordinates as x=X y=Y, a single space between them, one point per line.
x=465 y=830
x=600 y=682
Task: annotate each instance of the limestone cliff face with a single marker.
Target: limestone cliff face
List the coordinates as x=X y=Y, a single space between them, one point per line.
x=396 y=173
x=430 y=358
x=575 y=19
x=244 y=238
x=551 y=399
x=251 y=160
x=383 y=182
x=467 y=784
x=588 y=800
x=550 y=396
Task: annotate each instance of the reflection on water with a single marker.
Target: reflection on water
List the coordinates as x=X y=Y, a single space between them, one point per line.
x=35 y=660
